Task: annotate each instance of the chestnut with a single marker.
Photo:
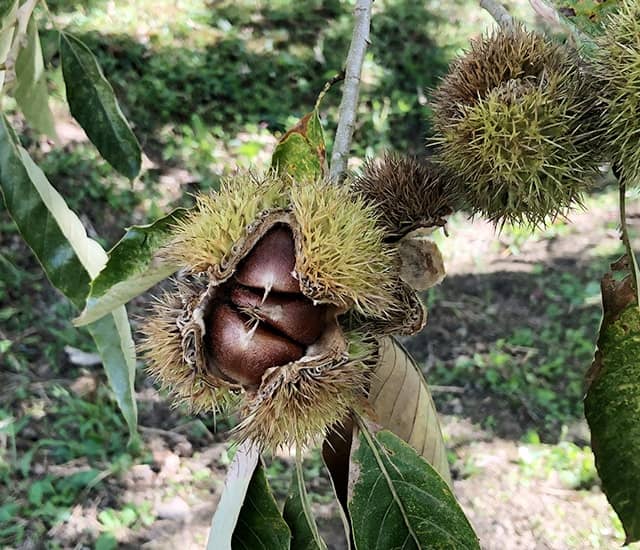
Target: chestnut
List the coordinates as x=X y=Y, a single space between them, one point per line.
x=242 y=350
x=295 y=316
x=271 y=263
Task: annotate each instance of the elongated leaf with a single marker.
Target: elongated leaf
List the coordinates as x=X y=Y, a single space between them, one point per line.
x=236 y=485
x=612 y=404
x=31 y=91
x=112 y=335
x=301 y=151
x=399 y=501
x=93 y=104
x=68 y=256
x=260 y=524
x=131 y=269
x=297 y=514
x=54 y=233
x=9 y=9
x=403 y=404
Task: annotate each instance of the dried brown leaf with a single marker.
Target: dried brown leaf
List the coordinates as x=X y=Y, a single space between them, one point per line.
x=403 y=404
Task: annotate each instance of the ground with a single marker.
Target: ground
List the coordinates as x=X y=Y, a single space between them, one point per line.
x=511 y=330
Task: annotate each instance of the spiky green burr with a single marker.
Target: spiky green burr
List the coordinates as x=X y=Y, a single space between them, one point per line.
x=617 y=65
x=517 y=121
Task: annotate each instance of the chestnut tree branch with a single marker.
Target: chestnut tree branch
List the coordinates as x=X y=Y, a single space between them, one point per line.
x=545 y=11
x=349 y=103
x=23 y=17
x=498 y=12
x=551 y=15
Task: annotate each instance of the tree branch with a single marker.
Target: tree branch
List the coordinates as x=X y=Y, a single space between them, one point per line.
x=22 y=18
x=349 y=103
x=545 y=11
x=499 y=13
x=551 y=15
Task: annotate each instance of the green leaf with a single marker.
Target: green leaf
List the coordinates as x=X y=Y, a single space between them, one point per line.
x=399 y=501
x=612 y=404
x=131 y=269
x=260 y=524
x=301 y=151
x=54 y=233
x=585 y=15
x=112 y=335
x=31 y=91
x=93 y=104
x=297 y=514
x=68 y=256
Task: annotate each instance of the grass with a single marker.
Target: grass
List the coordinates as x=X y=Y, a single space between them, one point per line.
x=86 y=438
x=572 y=464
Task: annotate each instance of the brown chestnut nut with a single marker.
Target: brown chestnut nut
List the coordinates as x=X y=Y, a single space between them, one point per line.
x=271 y=263
x=295 y=316
x=244 y=352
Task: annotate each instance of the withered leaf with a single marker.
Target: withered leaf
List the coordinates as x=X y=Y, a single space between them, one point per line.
x=301 y=152
x=403 y=404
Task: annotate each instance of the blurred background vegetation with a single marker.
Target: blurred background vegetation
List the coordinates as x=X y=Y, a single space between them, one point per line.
x=209 y=86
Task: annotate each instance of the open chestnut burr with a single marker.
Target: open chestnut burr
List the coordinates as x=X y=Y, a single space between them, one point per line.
x=284 y=288
x=261 y=318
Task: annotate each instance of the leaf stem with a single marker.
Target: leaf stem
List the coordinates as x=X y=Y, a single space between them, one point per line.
x=349 y=103
x=334 y=80
x=624 y=235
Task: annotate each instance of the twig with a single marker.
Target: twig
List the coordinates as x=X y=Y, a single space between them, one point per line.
x=499 y=13
x=446 y=389
x=544 y=10
x=22 y=17
x=349 y=103
x=551 y=15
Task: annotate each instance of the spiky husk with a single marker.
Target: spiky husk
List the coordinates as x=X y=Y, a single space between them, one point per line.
x=162 y=347
x=205 y=237
x=617 y=64
x=343 y=257
x=407 y=192
x=518 y=123
x=299 y=404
